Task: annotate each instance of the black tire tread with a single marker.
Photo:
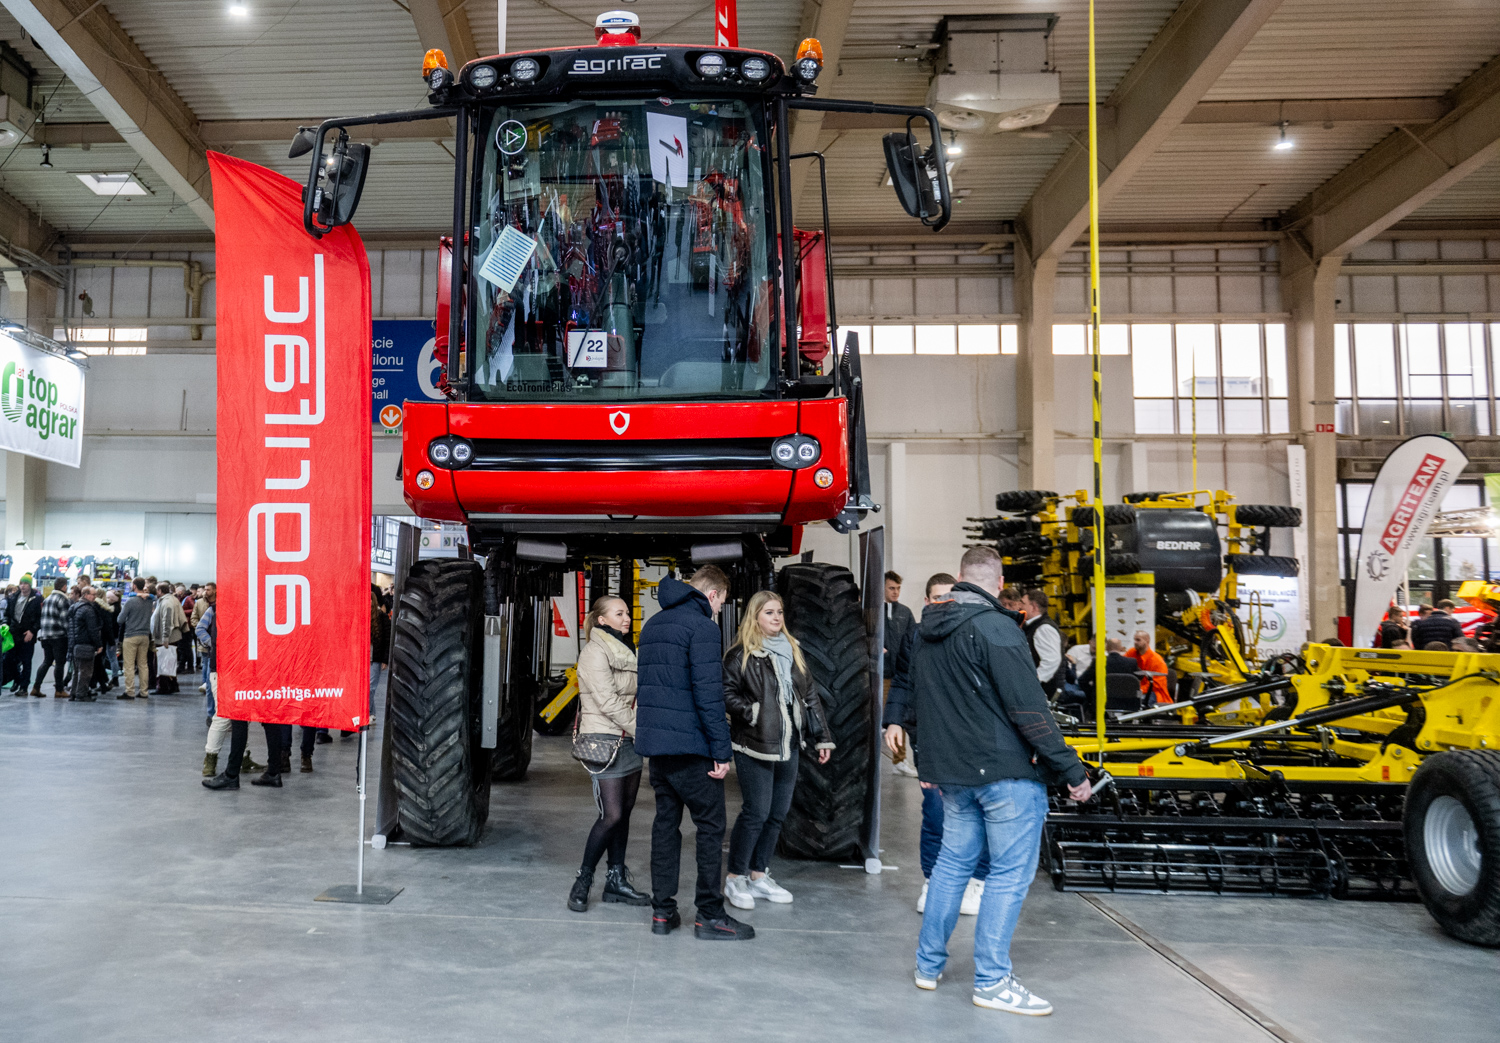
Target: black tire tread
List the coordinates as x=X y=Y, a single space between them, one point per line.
x=1114 y=564
x=442 y=794
x=824 y=614
x=1000 y=528
x=1114 y=514
x=1134 y=498
x=1023 y=501
x=1270 y=514
x=1262 y=565
x=1476 y=775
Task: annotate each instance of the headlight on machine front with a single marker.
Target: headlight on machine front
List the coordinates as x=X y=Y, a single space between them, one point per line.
x=711 y=65
x=524 y=70
x=755 y=69
x=795 y=452
x=483 y=77
x=450 y=451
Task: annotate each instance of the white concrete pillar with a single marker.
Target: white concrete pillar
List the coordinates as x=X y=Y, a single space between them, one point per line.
x=1307 y=289
x=1036 y=290
x=25 y=501
x=896 y=509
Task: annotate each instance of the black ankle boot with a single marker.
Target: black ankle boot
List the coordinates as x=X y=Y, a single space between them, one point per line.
x=618 y=888
x=578 y=898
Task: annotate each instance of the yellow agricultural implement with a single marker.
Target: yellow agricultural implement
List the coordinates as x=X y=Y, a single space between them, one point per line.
x=1382 y=776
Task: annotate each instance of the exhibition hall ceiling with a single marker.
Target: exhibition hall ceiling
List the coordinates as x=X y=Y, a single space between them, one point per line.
x=1304 y=75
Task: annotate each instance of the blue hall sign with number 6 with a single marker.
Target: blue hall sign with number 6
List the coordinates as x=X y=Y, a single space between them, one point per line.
x=402 y=367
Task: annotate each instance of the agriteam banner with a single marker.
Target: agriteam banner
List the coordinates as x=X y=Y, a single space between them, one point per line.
x=1407 y=493
x=294 y=457
x=41 y=403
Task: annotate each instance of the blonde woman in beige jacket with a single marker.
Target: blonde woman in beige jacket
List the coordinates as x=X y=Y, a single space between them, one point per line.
x=606 y=708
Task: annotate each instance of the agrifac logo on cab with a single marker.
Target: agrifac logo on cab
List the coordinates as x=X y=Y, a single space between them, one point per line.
x=28 y=398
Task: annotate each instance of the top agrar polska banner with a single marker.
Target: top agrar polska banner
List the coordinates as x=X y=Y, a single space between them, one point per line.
x=293 y=608
x=41 y=403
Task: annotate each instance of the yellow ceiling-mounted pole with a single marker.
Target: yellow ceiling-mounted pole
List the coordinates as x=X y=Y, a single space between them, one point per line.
x=1100 y=685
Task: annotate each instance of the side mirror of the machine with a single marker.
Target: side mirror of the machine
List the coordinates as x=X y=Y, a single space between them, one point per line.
x=910 y=176
x=302 y=142
x=340 y=181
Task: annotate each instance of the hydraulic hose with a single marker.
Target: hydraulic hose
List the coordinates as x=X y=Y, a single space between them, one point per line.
x=1210 y=698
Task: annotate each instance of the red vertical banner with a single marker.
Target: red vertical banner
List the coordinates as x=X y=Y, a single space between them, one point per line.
x=293 y=455
x=726 y=24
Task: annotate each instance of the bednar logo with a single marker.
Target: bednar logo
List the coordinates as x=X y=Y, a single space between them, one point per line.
x=26 y=397
x=1406 y=508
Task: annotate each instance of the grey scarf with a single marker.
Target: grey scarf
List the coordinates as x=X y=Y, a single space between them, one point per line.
x=780 y=651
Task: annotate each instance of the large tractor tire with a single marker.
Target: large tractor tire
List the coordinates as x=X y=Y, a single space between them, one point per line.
x=442 y=787
x=1452 y=827
x=1114 y=514
x=513 y=732
x=1262 y=565
x=562 y=724
x=1268 y=514
x=823 y=613
x=1023 y=501
x=1000 y=528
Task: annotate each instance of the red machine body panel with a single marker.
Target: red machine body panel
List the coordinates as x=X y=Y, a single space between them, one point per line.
x=548 y=488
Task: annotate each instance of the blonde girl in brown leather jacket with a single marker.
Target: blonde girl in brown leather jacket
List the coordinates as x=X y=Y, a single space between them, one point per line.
x=606 y=708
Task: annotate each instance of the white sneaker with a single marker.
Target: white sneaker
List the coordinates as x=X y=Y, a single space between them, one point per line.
x=922 y=899
x=973 y=895
x=769 y=889
x=904 y=768
x=203 y=688
x=1009 y=994
x=737 y=890
x=926 y=983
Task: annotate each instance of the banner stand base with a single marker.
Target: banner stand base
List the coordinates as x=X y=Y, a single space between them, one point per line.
x=350 y=893
x=358 y=893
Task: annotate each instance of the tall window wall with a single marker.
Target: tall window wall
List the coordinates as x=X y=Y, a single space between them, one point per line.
x=1209 y=377
x=1440 y=563
x=1415 y=378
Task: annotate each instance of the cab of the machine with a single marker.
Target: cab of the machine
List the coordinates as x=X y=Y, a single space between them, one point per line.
x=631 y=328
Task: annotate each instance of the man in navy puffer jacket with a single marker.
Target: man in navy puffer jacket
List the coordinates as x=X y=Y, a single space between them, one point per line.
x=680 y=724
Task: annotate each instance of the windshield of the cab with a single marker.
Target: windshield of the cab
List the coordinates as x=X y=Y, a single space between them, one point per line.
x=620 y=252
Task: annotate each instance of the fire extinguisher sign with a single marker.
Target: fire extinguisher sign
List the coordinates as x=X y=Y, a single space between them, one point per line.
x=293 y=616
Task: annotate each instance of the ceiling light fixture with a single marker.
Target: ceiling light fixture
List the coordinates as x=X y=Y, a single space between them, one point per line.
x=47 y=157
x=1283 y=144
x=954 y=148
x=113 y=184
x=239 y=11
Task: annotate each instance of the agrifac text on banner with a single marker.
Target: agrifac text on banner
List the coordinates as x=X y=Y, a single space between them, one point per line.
x=294 y=457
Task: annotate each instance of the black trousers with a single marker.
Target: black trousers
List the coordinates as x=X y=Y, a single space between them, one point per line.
x=21 y=659
x=239 y=735
x=83 y=672
x=681 y=780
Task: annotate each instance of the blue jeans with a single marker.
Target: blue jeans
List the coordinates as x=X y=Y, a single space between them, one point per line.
x=932 y=836
x=208 y=689
x=1006 y=817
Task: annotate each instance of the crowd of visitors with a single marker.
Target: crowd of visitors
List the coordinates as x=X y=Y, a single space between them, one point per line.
x=970 y=679
x=203 y=627
x=93 y=638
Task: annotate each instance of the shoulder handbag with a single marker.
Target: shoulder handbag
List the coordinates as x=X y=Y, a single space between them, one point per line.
x=595 y=753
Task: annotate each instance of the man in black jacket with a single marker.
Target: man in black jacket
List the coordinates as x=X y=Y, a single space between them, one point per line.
x=23 y=614
x=85 y=640
x=988 y=742
x=898 y=623
x=1439 y=626
x=900 y=723
x=681 y=725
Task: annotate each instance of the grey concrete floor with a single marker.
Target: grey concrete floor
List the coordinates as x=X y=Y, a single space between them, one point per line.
x=136 y=905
